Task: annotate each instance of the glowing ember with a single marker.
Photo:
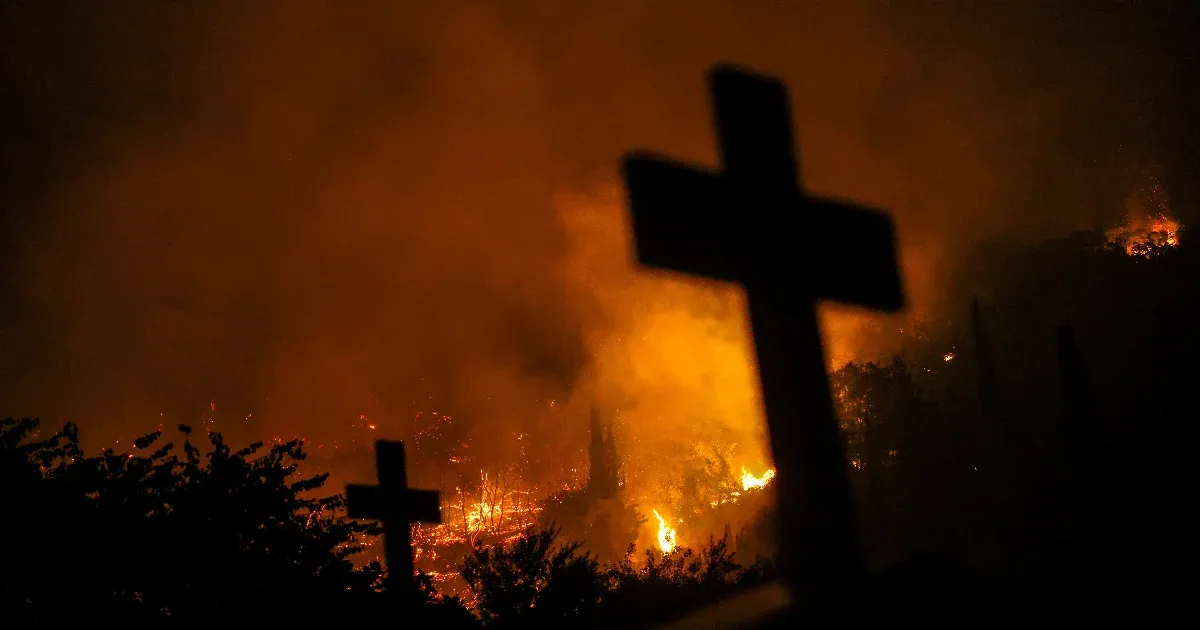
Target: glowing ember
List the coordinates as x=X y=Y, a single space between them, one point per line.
x=667 y=538
x=948 y=357
x=749 y=481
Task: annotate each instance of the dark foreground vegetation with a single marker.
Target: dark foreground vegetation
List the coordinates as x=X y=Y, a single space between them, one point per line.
x=188 y=536
x=1042 y=436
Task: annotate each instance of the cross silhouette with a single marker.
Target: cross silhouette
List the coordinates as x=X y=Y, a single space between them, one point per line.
x=395 y=504
x=751 y=223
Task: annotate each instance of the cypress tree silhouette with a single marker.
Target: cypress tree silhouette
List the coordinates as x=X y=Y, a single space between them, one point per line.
x=994 y=447
x=604 y=468
x=1087 y=441
x=985 y=367
x=998 y=443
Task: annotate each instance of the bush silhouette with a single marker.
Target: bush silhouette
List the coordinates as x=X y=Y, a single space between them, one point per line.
x=222 y=535
x=533 y=581
x=185 y=537
x=538 y=581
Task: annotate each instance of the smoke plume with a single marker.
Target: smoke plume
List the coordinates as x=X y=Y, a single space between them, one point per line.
x=293 y=214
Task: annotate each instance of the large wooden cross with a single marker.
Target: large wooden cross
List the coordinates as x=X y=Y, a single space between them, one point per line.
x=396 y=505
x=752 y=224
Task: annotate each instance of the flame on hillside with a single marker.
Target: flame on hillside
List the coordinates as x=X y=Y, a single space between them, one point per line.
x=1149 y=229
x=667 y=536
x=749 y=481
x=671 y=357
x=1145 y=237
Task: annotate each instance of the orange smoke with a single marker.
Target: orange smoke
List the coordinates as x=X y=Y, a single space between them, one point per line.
x=673 y=355
x=308 y=214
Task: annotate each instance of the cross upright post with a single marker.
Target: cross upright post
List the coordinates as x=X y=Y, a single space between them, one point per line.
x=752 y=224
x=394 y=504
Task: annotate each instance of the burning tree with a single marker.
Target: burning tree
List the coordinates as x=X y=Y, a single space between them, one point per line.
x=708 y=478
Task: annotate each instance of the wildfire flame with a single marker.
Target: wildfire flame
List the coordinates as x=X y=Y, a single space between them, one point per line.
x=1150 y=228
x=667 y=538
x=750 y=481
x=1145 y=237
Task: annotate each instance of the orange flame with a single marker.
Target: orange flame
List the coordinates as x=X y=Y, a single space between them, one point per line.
x=750 y=481
x=1145 y=237
x=1150 y=228
x=667 y=537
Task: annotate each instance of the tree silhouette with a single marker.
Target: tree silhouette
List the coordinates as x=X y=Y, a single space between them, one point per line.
x=604 y=466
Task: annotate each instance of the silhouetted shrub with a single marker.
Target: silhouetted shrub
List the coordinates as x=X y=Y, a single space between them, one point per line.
x=536 y=580
x=533 y=581
x=230 y=536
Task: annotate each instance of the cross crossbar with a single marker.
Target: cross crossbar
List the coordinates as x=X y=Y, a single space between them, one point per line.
x=853 y=244
x=751 y=223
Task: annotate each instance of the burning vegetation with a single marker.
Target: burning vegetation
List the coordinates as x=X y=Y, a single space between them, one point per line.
x=1145 y=237
x=1149 y=230
x=601 y=507
x=667 y=536
x=685 y=460
x=604 y=495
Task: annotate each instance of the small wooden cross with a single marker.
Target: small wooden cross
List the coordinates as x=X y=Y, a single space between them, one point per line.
x=752 y=224
x=395 y=504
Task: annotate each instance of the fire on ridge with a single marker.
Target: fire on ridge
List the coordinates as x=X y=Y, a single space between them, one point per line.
x=1150 y=229
x=1145 y=236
